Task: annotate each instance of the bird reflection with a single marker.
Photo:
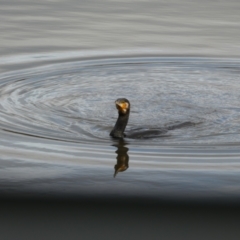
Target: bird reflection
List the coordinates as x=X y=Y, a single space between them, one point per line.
x=122 y=157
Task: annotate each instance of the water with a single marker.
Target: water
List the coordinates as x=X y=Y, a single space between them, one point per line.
x=55 y=122
x=75 y=101
x=63 y=66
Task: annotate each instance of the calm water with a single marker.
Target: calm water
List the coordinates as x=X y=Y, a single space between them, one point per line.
x=62 y=66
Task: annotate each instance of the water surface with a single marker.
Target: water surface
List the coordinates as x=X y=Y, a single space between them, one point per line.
x=62 y=66
x=55 y=122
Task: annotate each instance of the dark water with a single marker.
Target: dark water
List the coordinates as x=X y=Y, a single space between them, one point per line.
x=55 y=122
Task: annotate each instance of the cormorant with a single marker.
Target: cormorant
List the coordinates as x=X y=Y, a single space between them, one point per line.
x=123 y=107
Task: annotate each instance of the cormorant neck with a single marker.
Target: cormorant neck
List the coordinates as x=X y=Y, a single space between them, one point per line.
x=118 y=130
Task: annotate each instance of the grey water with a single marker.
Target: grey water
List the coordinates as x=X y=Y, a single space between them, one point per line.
x=62 y=66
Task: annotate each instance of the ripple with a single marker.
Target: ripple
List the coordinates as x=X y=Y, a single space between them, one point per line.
x=55 y=121
x=74 y=101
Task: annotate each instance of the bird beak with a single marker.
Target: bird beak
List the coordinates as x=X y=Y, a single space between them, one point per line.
x=118 y=106
x=122 y=107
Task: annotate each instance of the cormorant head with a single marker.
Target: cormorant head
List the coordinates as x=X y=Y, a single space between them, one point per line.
x=122 y=105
